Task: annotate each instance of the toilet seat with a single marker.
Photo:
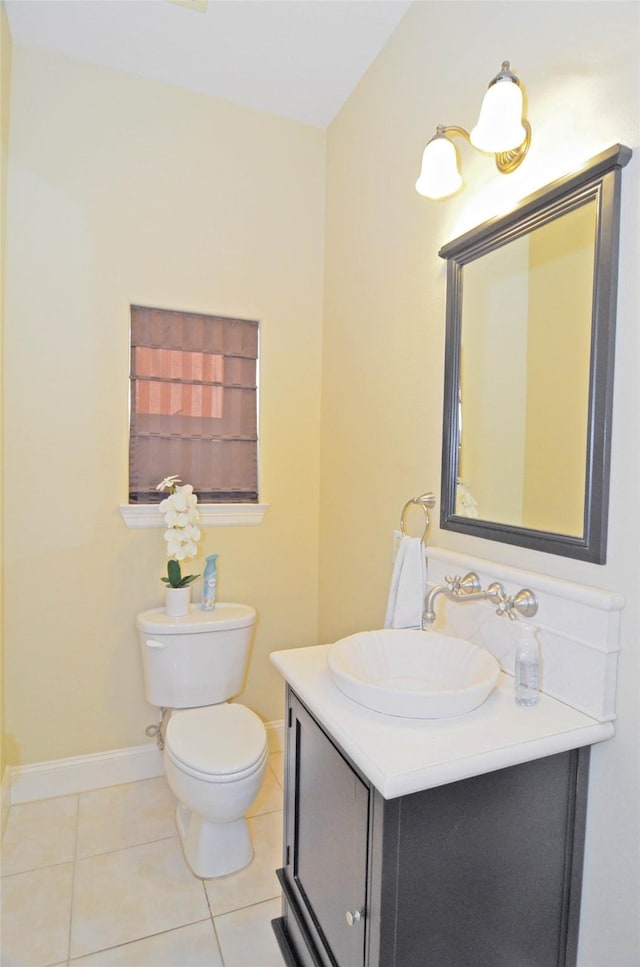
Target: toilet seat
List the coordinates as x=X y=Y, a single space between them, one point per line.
x=219 y=743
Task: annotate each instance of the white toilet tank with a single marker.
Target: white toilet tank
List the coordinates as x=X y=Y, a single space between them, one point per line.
x=196 y=660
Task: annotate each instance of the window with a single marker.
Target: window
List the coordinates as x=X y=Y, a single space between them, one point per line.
x=193 y=405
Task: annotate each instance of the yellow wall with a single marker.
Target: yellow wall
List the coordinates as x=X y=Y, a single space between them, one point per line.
x=384 y=338
x=129 y=191
x=5 y=88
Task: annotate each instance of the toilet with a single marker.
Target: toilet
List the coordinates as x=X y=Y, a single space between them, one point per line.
x=215 y=751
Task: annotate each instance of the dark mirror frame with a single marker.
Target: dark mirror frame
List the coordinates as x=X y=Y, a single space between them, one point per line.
x=599 y=180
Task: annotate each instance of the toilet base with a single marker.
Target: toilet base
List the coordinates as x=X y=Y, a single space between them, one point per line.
x=213 y=849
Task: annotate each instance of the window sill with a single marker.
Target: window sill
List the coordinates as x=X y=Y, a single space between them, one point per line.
x=211 y=515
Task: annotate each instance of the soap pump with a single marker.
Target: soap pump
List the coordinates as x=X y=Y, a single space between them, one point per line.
x=527 y=677
x=209 y=583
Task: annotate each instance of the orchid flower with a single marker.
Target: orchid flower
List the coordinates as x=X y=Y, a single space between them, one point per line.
x=168 y=483
x=181 y=515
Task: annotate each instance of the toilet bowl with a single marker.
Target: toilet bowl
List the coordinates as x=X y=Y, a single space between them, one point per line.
x=215 y=752
x=215 y=758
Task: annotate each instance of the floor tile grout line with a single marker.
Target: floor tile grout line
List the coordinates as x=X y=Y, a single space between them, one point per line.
x=247 y=906
x=213 y=925
x=73 y=878
x=267 y=812
x=36 y=869
x=40 y=866
x=121 y=849
x=89 y=856
x=134 y=940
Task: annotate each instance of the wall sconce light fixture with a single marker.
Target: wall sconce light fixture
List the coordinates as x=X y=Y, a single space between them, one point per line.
x=501 y=130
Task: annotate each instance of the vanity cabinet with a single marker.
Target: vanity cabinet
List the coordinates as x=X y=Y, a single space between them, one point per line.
x=482 y=872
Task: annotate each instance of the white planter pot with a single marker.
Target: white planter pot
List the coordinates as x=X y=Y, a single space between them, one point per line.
x=177 y=601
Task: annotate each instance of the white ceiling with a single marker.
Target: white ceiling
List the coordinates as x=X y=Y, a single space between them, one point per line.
x=300 y=59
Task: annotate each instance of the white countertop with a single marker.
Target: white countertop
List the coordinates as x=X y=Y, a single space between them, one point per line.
x=401 y=756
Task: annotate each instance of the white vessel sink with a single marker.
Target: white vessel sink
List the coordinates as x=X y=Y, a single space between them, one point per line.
x=412 y=674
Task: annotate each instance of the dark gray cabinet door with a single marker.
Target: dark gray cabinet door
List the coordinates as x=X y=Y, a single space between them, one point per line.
x=328 y=842
x=486 y=863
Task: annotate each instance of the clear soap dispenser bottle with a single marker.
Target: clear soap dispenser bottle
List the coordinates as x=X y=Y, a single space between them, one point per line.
x=527 y=665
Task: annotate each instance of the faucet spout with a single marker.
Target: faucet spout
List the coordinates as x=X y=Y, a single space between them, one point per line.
x=468 y=589
x=455 y=588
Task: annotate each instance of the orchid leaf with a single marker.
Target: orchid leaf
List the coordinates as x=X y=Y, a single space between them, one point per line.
x=173 y=572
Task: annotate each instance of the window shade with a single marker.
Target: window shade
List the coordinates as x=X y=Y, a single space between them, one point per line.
x=193 y=404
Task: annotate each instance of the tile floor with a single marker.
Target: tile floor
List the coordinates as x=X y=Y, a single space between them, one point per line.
x=98 y=880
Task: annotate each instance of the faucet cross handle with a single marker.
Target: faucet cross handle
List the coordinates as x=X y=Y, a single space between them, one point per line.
x=470 y=582
x=524 y=602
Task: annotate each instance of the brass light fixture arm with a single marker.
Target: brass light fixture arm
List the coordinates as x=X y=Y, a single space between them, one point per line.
x=506 y=161
x=453 y=130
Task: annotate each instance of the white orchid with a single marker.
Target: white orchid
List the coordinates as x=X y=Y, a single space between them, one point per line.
x=168 y=482
x=181 y=515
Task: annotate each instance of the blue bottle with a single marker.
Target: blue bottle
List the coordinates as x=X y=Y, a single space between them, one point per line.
x=209 y=582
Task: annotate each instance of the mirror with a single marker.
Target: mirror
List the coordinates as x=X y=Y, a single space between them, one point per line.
x=529 y=367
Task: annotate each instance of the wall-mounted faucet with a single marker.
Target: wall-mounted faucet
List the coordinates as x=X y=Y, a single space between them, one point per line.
x=468 y=589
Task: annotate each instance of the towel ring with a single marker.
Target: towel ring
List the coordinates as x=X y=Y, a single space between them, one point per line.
x=425 y=501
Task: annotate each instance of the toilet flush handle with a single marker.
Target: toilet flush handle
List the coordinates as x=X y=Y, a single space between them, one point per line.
x=154 y=644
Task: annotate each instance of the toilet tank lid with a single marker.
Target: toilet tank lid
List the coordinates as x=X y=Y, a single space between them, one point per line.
x=222 y=618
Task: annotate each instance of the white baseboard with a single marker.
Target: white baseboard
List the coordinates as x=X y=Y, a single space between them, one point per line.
x=63 y=777
x=275 y=736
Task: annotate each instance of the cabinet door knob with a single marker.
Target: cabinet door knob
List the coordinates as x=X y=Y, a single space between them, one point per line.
x=353 y=918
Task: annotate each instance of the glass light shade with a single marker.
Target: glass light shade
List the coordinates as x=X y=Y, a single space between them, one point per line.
x=499 y=126
x=439 y=175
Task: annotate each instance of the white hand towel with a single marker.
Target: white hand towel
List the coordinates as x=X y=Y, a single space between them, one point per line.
x=408 y=585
